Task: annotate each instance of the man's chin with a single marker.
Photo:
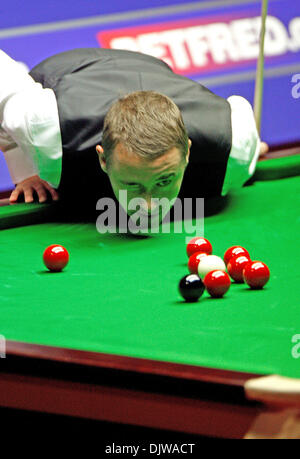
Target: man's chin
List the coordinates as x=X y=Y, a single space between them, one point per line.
x=145 y=225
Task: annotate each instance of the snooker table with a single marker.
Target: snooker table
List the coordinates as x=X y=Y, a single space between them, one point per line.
x=110 y=339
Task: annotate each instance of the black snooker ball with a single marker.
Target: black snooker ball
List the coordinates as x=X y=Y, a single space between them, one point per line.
x=191 y=287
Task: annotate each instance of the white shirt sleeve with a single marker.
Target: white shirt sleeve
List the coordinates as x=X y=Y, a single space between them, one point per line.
x=19 y=165
x=29 y=118
x=245 y=145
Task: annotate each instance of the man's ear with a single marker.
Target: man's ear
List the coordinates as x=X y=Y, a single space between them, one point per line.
x=189 y=150
x=102 y=159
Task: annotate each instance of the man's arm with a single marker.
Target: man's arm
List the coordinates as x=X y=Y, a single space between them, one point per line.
x=13 y=79
x=23 y=173
x=19 y=165
x=29 y=133
x=246 y=145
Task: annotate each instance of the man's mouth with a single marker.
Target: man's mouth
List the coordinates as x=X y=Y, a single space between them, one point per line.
x=150 y=215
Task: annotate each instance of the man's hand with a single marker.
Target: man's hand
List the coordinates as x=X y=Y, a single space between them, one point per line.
x=264 y=148
x=33 y=185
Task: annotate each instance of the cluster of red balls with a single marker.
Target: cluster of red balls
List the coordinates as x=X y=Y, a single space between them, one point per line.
x=236 y=259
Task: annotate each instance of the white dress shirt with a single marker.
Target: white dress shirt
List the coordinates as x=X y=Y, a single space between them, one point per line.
x=30 y=132
x=30 y=136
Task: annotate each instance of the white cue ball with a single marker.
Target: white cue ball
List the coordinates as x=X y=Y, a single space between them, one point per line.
x=210 y=263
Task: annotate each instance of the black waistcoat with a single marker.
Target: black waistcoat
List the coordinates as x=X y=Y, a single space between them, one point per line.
x=87 y=81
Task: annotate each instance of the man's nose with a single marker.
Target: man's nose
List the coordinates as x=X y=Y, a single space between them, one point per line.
x=148 y=205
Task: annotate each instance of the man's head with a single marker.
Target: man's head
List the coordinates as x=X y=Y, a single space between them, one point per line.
x=145 y=147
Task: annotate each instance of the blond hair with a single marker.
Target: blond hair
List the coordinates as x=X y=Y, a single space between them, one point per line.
x=146 y=123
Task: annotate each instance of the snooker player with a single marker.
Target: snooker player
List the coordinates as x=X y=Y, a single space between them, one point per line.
x=88 y=123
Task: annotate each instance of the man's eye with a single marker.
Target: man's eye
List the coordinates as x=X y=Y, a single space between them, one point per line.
x=132 y=185
x=164 y=183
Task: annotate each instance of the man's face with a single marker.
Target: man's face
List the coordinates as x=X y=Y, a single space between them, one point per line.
x=149 y=180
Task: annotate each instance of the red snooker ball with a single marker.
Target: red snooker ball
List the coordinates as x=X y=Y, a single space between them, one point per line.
x=217 y=283
x=194 y=261
x=235 y=267
x=256 y=274
x=234 y=251
x=55 y=257
x=198 y=244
